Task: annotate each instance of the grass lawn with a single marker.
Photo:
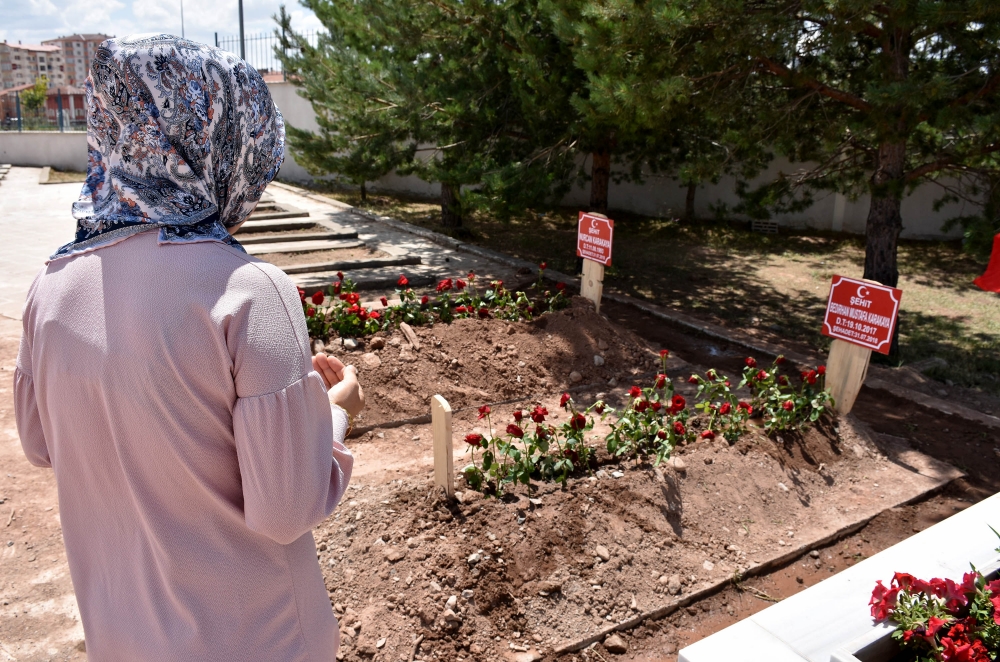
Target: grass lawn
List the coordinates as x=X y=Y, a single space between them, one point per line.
x=774 y=284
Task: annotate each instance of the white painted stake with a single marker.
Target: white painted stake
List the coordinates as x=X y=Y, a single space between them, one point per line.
x=444 y=474
x=846 y=369
x=592 y=283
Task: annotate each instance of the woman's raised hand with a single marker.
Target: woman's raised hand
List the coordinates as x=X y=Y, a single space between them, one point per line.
x=341 y=382
x=330 y=369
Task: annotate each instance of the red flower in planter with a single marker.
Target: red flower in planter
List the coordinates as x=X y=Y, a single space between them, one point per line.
x=883 y=599
x=514 y=431
x=317 y=297
x=460 y=284
x=461 y=310
x=340 y=275
x=385 y=302
x=788 y=405
x=821 y=370
x=635 y=392
x=402 y=281
x=661 y=381
x=424 y=299
x=484 y=313
x=679 y=428
x=564 y=399
x=751 y=362
x=474 y=439
x=302 y=294
x=539 y=413
x=310 y=311
x=518 y=415
x=578 y=422
x=725 y=408
x=664 y=353
x=708 y=434
x=444 y=285
x=353 y=297
x=484 y=411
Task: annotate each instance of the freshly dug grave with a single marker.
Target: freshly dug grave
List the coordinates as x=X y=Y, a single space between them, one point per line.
x=320 y=257
x=488 y=579
x=472 y=362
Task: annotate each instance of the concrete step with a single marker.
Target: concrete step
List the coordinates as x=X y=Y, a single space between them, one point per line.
x=252 y=226
x=252 y=240
x=285 y=211
x=375 y=274
x=302 y=246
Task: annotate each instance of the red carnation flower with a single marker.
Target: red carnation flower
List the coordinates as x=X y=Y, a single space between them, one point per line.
x=708 y=434
x=788 y=405
x=751 y=362
x=725 y=408
x=679 y=428
x=539 y=413
x=424 y=299
x=310 y=311
x=664 y=353
x=635 y=392
x=514 y=430
x=317 y=298
x=578 y=422
x=402 y=281
x=484 y=313
x=474 y=439
x=353 y=297
x=385 y=301
x=484 y=411
x=661 y=381
x=374 y=315
x=564 y=399
x=678 y=402
x=518 y=415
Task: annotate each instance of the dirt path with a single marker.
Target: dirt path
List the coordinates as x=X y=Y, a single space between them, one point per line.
x=39 y=619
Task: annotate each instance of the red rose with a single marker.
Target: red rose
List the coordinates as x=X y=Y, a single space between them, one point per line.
x=354 y=310
x=635 y=392
x=363 y=314
x=679 y=428
x=578 y=422
x=385 y=302
x=374 y=315
x=444 y=285
x=711 y=374
x=560 y=286
x=821 y=370
x=744 y=405
x=484 y=411
x=424 y=299
x=725 y=408
x=788 y=405
x=317 y=298
x=783 y=380
x=497 y=285
x=693 y=379
x=661 y=434
x=761 y=375
x=780 y=360
x=539 y=413
x=460 y=284
x=751 y=362
x=472 y=275
x=461 y=310
x=664 y=353
x=657 y=406
x=728 y=384
x=402 y=281
x=542 y=432
x=518 y=415
x=302 y=294
x=474 y=439
x=484 y=313
x=336 y=288
x=641 y=406
x=542 y=266
x=811 y=377
x=707 y=434
x=353 y=297
x=599 y=408
x=340 y=275
x=310 y=311
x=678 y=402
x=564 y=399
x=514 y=430
x=661 y=381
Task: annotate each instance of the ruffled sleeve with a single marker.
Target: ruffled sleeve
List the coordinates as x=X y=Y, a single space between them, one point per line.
x=29 y=424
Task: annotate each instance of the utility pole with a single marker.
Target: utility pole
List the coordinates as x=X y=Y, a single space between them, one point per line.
x=182 y=19
x=243 y=47
x=17 y=103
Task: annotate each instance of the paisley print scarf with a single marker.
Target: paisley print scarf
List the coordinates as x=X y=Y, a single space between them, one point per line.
x=181 y=137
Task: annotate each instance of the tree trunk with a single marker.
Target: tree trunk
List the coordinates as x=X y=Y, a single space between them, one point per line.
x=364 y=192
x=885 y=221
x=600 y=175
x=451 y=206
x=689 y=201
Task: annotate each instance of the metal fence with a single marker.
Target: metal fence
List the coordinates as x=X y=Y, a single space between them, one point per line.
x=259 y=49
x=56 y=115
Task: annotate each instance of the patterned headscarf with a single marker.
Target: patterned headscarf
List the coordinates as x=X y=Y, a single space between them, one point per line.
x=180 y=136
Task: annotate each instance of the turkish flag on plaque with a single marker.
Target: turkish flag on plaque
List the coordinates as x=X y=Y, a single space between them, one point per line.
x=862 y=313
x=990 y=281
x=593 y=238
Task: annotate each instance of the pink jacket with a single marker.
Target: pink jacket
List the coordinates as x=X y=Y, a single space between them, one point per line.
x=170 y=388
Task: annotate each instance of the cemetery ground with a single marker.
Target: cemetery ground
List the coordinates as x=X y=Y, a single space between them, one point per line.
x=695 y=544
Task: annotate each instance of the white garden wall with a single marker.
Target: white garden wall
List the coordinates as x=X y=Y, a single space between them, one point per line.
x=62 y=151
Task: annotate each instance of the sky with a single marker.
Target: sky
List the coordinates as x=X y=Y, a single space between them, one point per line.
x=31 y=21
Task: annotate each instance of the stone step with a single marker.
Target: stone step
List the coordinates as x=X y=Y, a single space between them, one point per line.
x=368 y=277
x=285 y=213
x=251 y=240
x=302 y=246
x=323 y=269
x=252 y=226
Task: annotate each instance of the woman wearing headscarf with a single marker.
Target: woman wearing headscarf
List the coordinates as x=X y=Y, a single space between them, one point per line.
x=166 y=378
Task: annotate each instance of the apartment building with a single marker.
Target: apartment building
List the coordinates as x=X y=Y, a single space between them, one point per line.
x=78 y=52
x=23 y=64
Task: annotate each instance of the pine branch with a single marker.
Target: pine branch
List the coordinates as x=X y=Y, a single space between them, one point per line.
x=948 y=161
x=783 y=72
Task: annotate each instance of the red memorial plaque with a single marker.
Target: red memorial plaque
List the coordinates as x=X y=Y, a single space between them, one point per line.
x=862 y=313
x=593 y=238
